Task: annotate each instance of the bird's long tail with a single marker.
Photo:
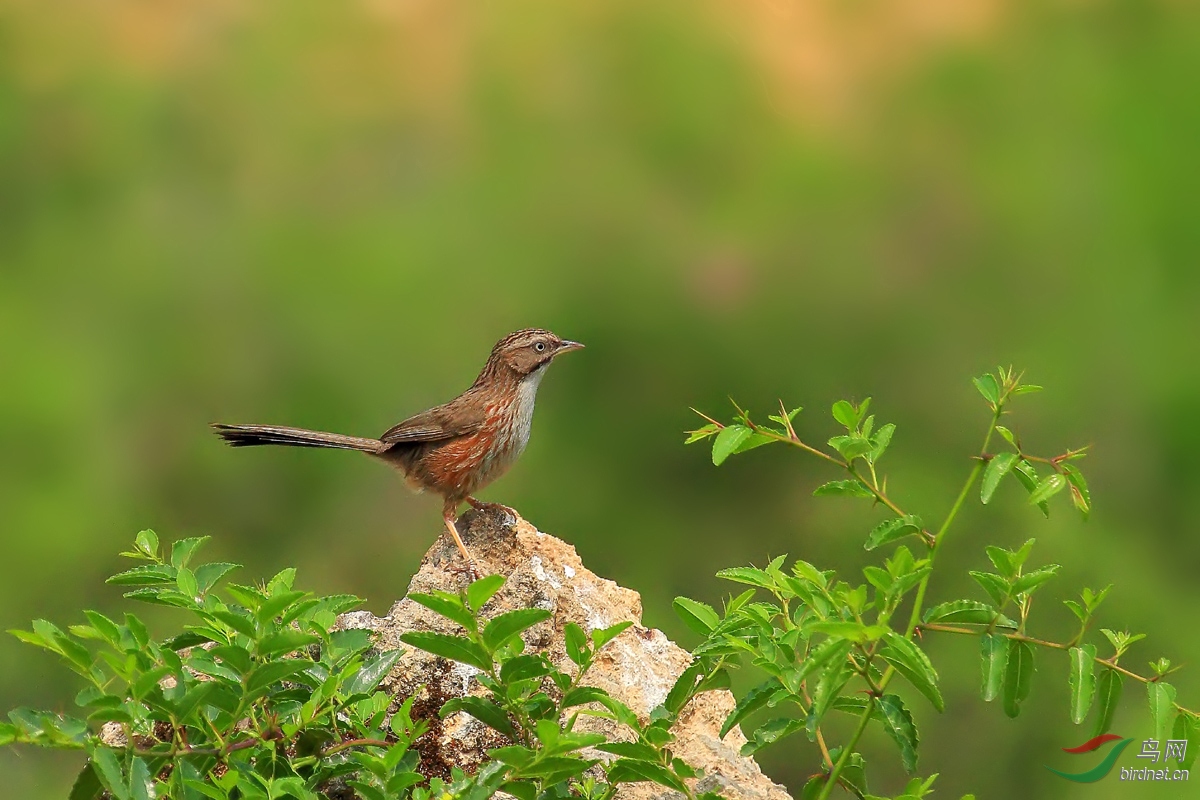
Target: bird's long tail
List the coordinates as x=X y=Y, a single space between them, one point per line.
x=251 y=435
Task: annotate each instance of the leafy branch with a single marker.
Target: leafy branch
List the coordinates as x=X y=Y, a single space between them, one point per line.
x=816 y=637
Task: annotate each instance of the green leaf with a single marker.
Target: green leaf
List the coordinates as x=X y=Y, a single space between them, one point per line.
x=455 y=648
x=751 y=576
x=987 y=386
x=625 y=770
x=899 y=725
x=1187 y=727
x=447 y=605
x=996 y=587
x=770 y=732
x=881 y=440
x=602 y=636
x=483 y=710
x=892 y=529
x=1017 y=675
x=700 y=617
x=1028 y=478
x=87 y=785
x=582 y=695
x=1082 y=680
x=728 y=441
x=966 y=611
x=1047 y=487
x=480 y=591
x=1080 y=496
x=207 y=575
x=147 y=542
x=183 y=550
x=576 y=643
x=145 y=575
x=994 y=658
x=845 y=413
x=511 y=623
x=372 y=673
x=108 y=769
x=1007 y=434
x=752 y=701
x=141 y=785
x=1031 y=580
x=852 y=447
x=285 y=641
x=911 y=662
x=1162 y=707
x=999 y=466
x=267 y=675
x=847 y=488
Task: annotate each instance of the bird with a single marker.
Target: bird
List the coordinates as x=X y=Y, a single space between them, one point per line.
x=455 y=449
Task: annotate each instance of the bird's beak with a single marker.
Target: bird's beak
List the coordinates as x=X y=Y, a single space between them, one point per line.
x=566 y=346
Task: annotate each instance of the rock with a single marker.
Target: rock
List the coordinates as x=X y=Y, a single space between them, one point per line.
x=638 y=668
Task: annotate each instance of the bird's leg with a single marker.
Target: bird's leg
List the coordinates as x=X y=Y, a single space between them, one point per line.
x=448 y=516
x=480 y=505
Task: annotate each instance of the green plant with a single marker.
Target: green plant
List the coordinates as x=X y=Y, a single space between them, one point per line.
x=831 y=645
x=538 y=706
x=257 y=697
x=261 y=697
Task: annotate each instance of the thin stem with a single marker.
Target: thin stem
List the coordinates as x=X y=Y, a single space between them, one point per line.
x=346 y=745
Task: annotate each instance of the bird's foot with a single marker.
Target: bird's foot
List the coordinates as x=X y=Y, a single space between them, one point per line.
x=479 y=505
x=468 y=568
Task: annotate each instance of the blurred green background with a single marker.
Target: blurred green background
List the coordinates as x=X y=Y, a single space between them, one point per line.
x=324 y=214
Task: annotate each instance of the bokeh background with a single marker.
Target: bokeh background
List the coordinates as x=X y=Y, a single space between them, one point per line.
x=325 y=213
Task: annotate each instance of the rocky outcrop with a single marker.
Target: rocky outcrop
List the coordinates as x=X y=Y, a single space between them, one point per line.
x=638 y=667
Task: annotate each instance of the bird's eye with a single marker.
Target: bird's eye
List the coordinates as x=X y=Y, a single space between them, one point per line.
x=540 y=346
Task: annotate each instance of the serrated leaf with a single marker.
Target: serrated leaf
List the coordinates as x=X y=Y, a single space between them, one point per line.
x=770 y=732
x=851 y=447
x=728 y=441
x=1162 y=707
x=505 y=626
x=999 y=466
x=995 y=586
x=1187 y=728
x=700 y=617
x=147 y=542
x=899 y=725
x=993 y=659
x=703 y=432
x=145 y=575
x=1032 y=580
x=966 y=611
x=625 y=770
x=1018 y=674
x=892 y=529
x=87 y=785
x=112 y=775
x=207 y=575
x=756 y=698
x=881 y=440
x=911 y=662
x=183 y=550
x=455 y=648
x=372 y=673
x=846 y=488
x=1082 y=680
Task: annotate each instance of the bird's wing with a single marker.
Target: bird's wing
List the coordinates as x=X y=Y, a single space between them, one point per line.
x=436 y=424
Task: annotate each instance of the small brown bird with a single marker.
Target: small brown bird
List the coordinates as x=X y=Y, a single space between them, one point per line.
x=452 y=450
